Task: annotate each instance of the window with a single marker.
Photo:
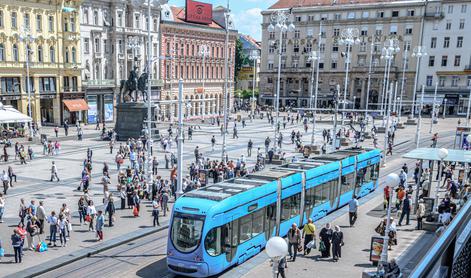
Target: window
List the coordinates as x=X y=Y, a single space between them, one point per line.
x=324 y=16
x=40 y=54
x=429 y=80
x=296 y=47
x=74 y=55
x=95 y=18
x=86 y=45
x=186 y=231
x=463 y=8
x=308 y=47
x=283 y=47
x=444 y=60
x=335 y=47
x=333 y=65
x=27 y=21
x=66 y=25
x=446 y=42
x=296 y=34
x=120 y=19
x=322 y=47
x=97 y=45
x=270 y=65
x=351 y=15
x=72 y=24
x=363 y=47
x=433 y=43
x=38 y=23
x=450 y=9
x=407 y=45
x=380 y=14
x=85 y=16
x=336 y=32
x=454 y=81
x=461 y=24
x=1 y=19
x=347 y=183
x=215 y=240
x=14 y=22
x=2 y=52
x=136 y=21
x=457 y=60
x=10 y=85
x=410 y=12
x=365 y=14
x=431 y=61
x=393 y=30
x=364 y=31
x=271 y=35
x=67 y=55
x=379 y=30
x=337 y=16
x=321 y=65
x=459 y=42
x=15 y=53
x=408 y=30
x=47 y=84
x=155 y=25
x=448 y=25
x=441 y=81
x=50 y=24
x=271 y=48
x=52 y=55
x=290 y=207
x=298 y=19
x=395 y=13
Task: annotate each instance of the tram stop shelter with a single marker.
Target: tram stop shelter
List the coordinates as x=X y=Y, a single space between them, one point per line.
x=461 y=157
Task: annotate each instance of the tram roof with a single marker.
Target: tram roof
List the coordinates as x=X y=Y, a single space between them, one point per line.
x=432 y=154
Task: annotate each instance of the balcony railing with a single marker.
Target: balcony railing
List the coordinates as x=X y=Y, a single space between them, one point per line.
x=99 y=83
x=434 y=15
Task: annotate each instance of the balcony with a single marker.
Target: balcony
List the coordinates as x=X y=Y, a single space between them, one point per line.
x=99 y=83
x=434 y=15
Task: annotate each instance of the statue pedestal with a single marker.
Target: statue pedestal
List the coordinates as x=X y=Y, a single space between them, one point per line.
x=130 y=121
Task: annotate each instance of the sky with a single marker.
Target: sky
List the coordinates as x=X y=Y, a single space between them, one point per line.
x=246 y=13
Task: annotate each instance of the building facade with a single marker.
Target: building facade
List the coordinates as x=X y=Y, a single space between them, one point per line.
x=245 y=79
x=448 y=63
x=49 y=31
x=114 y=37
x=377 y=22
x=182 y=58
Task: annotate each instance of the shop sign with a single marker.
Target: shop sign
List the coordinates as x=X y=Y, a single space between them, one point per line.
x=9 y=97
x=198 y=12
x=46 y=96
x=109 y=112
x=92 y=112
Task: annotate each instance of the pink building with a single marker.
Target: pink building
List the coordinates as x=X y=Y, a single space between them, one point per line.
x=194 y=52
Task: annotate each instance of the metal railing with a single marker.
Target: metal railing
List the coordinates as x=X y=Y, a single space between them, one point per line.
x=451 y=253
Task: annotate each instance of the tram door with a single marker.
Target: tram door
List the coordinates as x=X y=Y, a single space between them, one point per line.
x=232 y=239
x=333 y=192
x=360 y=177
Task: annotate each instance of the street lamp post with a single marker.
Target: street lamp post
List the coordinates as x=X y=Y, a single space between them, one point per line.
x=281 y=21
x=388 y=117
x=180 y=140
x=419 y=52
x=227 y=20
x=369 y=81
x=391 y=47
x=204 y=52
x=254 y=57
x=433 y=107
x=276 y=249
x=419 y=123
x=406 y=51
x=314 y=57
x=392 y=180
x=348 y=37
x=444 y=107
x=336 y=102
x=442 y=154
x=27 y=38
x=469 y=107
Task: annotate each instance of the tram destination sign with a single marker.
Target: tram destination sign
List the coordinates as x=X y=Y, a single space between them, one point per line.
x=198 y=12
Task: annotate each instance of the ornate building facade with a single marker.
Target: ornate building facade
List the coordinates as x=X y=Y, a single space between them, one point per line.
x=49 y=31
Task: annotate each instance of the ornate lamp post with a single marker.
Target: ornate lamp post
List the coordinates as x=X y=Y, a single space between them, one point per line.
x=348 y=37
x=204 y=52
x=392 y=180
x=419 y=52
x=442 y=154
x=281 y=21
x=228 y=22
x=391 y=47
x=314 y=57
x=27 y=38
x=276 y=249
x=254 y=56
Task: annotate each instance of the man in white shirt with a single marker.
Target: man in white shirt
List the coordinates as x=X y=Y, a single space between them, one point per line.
x=54 y=172
x=352 y=210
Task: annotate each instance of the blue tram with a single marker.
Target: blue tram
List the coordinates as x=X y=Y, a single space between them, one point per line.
x=218 y=226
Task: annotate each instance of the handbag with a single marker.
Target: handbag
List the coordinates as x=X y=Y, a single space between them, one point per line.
x=311 y=244
x=69 y=226
x=321 y=246
x=300 y=248
x=88 y=218
x=135 y=211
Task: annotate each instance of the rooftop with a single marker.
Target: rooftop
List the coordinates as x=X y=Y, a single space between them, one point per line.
x=287 y=4
x=179 y=16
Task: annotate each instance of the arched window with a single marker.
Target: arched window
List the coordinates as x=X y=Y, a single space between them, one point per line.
x=40 y=54
x=52 y=54
x=74 y=55
x=15 y=53
x=2 y=52
x=67 y=55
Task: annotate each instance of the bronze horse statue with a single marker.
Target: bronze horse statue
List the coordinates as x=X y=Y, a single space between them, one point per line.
x=131 y=87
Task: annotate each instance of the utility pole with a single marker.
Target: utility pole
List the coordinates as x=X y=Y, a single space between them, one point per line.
x=180 y=140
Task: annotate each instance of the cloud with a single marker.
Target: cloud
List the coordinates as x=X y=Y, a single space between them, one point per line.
x=249 y=22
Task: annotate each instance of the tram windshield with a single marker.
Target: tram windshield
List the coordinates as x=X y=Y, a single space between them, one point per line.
x=186 y=231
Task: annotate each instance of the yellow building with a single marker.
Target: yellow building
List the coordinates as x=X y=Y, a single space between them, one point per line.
x=50 y=30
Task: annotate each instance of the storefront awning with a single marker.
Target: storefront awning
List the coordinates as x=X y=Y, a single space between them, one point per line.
x=8 y=114
x=74 y=105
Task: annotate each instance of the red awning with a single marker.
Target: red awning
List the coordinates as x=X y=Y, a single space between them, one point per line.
x=74 y=105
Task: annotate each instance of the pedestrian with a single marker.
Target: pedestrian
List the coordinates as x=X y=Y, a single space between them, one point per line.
x=91 y=213
x=420 y=214
x=155 y=165
x=11 y=174
x=52 y=220
x=111 y=145
x=164 y=200
x=281 y=267
x=155 y=211
x=100 y=222
x=325 y=237
x=213 y=143
x=309 y=234
x=41 y=215
x=337 y=243
x=353 y=210
x=6 y=182
x=406 y=206
x=62 y=226
x=294 y=239
x=122 y=196
x=110 y=209
x=56 y=131
x=82 y=209
x=2 y=207
x=17 y=244
x=249 y=148
x=31 y=231
x=136 y=201
x=54 y=172
x=22 y=211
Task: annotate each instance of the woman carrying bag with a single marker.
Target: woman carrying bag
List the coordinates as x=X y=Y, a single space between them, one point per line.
x=309 y=234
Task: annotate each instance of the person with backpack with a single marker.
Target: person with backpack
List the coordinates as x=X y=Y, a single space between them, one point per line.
x=294 y=239
x=309 y=234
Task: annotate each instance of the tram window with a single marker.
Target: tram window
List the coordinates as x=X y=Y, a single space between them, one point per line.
x=257 y=227
x=234 y=234
x=318 y=195
x=213 y=242
x=347 y=183
x=367 y=177
x=285 y=209
x=290 y=207
x=326 y=192
x=270 y=220
x=375 y=171
x=309 y=199
x=245 y=228
x=361 y=176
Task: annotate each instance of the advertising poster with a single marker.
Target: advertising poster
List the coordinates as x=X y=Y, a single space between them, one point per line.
x=376 y=249
x=92 y=112
x=108 y=112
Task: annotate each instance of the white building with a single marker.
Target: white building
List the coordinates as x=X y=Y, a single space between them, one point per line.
x=447 y=38
x=107 y=29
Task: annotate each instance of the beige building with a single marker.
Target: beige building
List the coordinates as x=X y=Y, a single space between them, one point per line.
x=377 y=22
x=54 y=59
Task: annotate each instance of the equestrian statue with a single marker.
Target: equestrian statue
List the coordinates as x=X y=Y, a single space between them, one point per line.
x=133 y=86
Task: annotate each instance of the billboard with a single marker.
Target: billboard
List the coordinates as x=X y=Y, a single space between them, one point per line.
x=198 y=12
x=92 y=112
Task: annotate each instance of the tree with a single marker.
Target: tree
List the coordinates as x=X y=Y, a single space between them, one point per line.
x=239 y=58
